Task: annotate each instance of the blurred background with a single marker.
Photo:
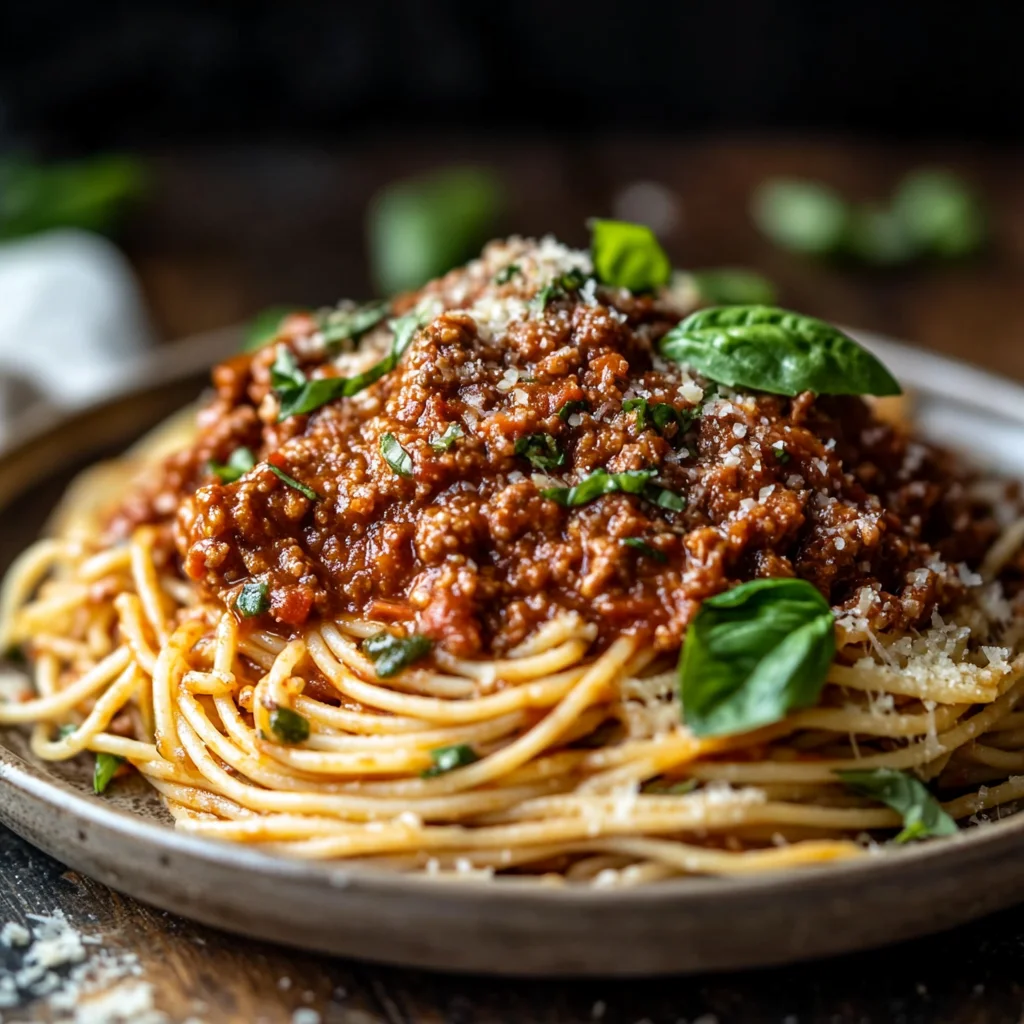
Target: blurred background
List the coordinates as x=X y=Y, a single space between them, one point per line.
x=862 y=160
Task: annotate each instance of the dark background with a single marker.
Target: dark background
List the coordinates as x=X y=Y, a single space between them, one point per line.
x=77 y=76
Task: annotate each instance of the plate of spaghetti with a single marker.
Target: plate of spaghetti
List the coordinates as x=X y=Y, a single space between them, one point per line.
x=546 y=603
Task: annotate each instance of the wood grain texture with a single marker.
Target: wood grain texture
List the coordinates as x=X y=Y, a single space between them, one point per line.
x=209 y=252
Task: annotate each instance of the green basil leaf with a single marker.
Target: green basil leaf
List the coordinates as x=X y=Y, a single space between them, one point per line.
x=265 y=326
x=289 y=726
x=506 y=274
x=753 y=654
x=253 y=600
x=91 y=194
x=663 y=415
x=104 y=771
x=239 y=463
x=628 y=255
x=448 y=758
x=781 y=454
x=298 y=395
x=775 y=350
x=877 y=236
x=802 y=216
x=395 y=455
x=390 y=653
x=559 y=288
x=351 y=324
x=446 y=441
x=600 y=482
x=574 y=405
x=294 y=484
x=729 y=286
x=285 y=373
x=639 y=406
x=639 y=544
x=923 y=815
x=421 y=228
x=541 y=450
x=940 y=213
x=664 y=498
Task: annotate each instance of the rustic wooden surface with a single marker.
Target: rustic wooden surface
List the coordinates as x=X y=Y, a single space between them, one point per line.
x=228 y=232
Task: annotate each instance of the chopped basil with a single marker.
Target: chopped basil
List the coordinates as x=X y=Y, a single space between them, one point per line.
x=574 y=405
x=289 y=726
x=299 y=395
x=448 y=758
x=265 y=326
x=662 y=414
x=628 y=255
x=559 y=288
x=285 y=372
x=254 y=599
x=105 y=769
x=395 y=455
x=541 y=450
x=632 y=481
x=638 y=544
x=390 y=653
x=753 y=654
x=446 y=441
x=64 y=731
x=350 y=324
x=781 y=454
x=293 y=483
x=774 y=350
x=728 y=286
x=639 y=406
x=422 y=227
x=923 y=815
x=506 y=274
x=240 y=461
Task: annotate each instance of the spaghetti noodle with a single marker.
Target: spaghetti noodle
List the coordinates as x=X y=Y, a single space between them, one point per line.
x=198 y=616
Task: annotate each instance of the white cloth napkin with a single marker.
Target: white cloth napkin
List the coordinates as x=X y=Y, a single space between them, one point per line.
x=72 y=322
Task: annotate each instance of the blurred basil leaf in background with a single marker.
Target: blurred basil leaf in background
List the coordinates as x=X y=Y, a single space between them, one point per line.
x=422 y=227
x=727 y=286
x=265 y=326
x=90 y=193
x=932 y=214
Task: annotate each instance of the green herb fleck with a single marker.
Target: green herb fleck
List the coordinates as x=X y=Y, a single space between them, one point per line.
x=559 y=288
x=447 y=759
x=541 y=450
x=573 y=405
x=638 y=544
x=628 y=256
x=395 y=455
x=390 y=653
x=506 y=274
x=923 y=815
x=253 y=599
x=289 y=726
x=293 y=483
x=633 y=481
x=753 y=654
x=105 y=769
x=265 y=326
x=670 y=787
x=239 y=463
x=446 y=441
x=340 y=325
x=64 y=731
x=781 y=454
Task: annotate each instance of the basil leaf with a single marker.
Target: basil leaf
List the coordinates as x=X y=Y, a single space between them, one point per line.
x=559 y=288
x=253 y=600
x=289 y=726
x=350 y=324
x=753 y=654
x=662 y=414
x=104 y=771
x=628 y=255
x=390 y=653
x=729 y=286
x=801 y=216
x=265 y=326
x=574 y=405
x=446 y=441
x=600 y=482
x=639 y=406
x=285 y=373
x=774 y=350
x=448 y=758
x=541 y=450
x=240 y=461
x=91 y=194
x=638 y=544
x=781 y=454
x=64 y=731
x=876 y=236
x=293 y=483
x=506 y=274
x=664 y=498
x=923 y=815
x=421 y=228
x=940 y=213
x=395 y=455
x=298 y=395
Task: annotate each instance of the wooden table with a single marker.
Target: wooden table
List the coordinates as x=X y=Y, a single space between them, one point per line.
x=228 y=232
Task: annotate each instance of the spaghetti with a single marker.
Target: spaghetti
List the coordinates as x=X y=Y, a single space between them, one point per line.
x=196 y=615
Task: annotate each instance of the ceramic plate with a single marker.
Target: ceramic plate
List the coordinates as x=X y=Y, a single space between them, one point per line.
x=509 y=927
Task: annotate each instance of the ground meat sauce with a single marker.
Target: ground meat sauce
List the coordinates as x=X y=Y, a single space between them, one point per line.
x=468 y=551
